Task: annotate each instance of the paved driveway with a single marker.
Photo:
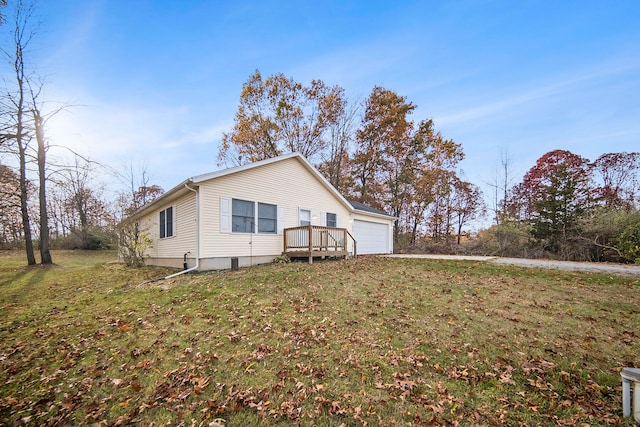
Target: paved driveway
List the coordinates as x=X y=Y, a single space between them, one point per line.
x=595 y=267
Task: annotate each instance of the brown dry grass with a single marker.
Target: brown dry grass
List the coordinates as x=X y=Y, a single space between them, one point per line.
x=360 y=342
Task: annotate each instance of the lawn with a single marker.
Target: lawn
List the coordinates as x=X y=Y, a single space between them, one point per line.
x=393 y=342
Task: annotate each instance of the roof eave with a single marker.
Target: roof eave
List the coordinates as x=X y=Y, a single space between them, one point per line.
x=162 y=199
x=378 y=215
x=175 y=191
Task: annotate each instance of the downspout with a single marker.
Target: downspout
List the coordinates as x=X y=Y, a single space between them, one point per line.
x=197 y=236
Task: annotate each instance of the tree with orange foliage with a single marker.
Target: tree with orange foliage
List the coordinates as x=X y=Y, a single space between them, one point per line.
x=278 y=115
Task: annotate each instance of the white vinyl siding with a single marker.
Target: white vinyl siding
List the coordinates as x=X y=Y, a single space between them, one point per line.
x=184 y=229
x=288 y=184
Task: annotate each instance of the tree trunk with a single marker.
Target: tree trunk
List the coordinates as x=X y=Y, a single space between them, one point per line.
x=45 y=252
x=22 y=158
x=24 y=209
x=414 y=231
x=20 y=136
x=82 y=214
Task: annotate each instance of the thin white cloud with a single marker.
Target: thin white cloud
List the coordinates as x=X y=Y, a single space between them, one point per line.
x=353 y=65
x=207 y=135
x=527 y=95
x=116 y=135
x=76 y=35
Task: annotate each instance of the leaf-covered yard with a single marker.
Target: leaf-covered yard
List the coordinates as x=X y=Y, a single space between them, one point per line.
x=359 y=342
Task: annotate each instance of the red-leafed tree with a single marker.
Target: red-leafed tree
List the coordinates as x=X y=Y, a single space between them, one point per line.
x=577 y=209
x=616 y=175
x=554 y=194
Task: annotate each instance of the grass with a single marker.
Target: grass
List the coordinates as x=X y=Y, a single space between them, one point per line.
x=359 y=342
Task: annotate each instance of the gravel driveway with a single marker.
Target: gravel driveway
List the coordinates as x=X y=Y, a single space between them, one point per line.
x=595 y=267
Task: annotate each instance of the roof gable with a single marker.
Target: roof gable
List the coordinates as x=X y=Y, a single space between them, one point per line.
x=235 y=169
x=297 y=156
x=184 y=187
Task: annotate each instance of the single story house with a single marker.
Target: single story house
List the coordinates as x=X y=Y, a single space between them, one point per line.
x=253 y=213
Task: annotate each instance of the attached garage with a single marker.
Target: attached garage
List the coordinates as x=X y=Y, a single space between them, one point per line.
x=372 y=237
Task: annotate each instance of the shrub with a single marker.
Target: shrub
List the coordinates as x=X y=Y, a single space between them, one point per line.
x=133 y=244
x=629 y=239
x=509 y=239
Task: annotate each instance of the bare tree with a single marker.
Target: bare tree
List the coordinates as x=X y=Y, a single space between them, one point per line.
x=138 y=191
x=23 y=120
x=77 y=207
x=466 y=204
x=134 y=240
x=617 y=176
x=16 y=133
x=2 y=4
x=38 y=126
x=341 y=133
x=503 y=180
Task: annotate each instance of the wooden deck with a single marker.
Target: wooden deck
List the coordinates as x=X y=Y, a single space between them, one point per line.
x=313 y=241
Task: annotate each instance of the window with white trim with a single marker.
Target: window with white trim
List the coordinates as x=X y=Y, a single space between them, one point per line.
x=304 y=217
x=251 y=217
x=166 y=222
x=242 y=216
x=332 y=219
x=267 y=218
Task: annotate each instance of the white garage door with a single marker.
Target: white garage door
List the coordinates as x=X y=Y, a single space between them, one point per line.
x=371 y=237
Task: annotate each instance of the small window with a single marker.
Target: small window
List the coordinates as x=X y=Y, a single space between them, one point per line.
x=267 y=218
x=332 y=220
x=166 y=223
x=242 y=216
x=304 y=216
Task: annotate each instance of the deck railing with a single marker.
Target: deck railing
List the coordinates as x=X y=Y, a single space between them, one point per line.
x=313 y=240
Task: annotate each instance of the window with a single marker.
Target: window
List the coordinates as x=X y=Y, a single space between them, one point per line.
x=246 y=216
x=166 y=222
x=267 y=218
x=332 y=220
x=242 y=216
x=304 y=216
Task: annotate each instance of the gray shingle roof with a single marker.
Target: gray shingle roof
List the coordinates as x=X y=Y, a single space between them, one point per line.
x=366 y=208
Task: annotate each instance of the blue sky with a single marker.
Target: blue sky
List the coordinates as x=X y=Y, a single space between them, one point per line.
x=157 y=82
